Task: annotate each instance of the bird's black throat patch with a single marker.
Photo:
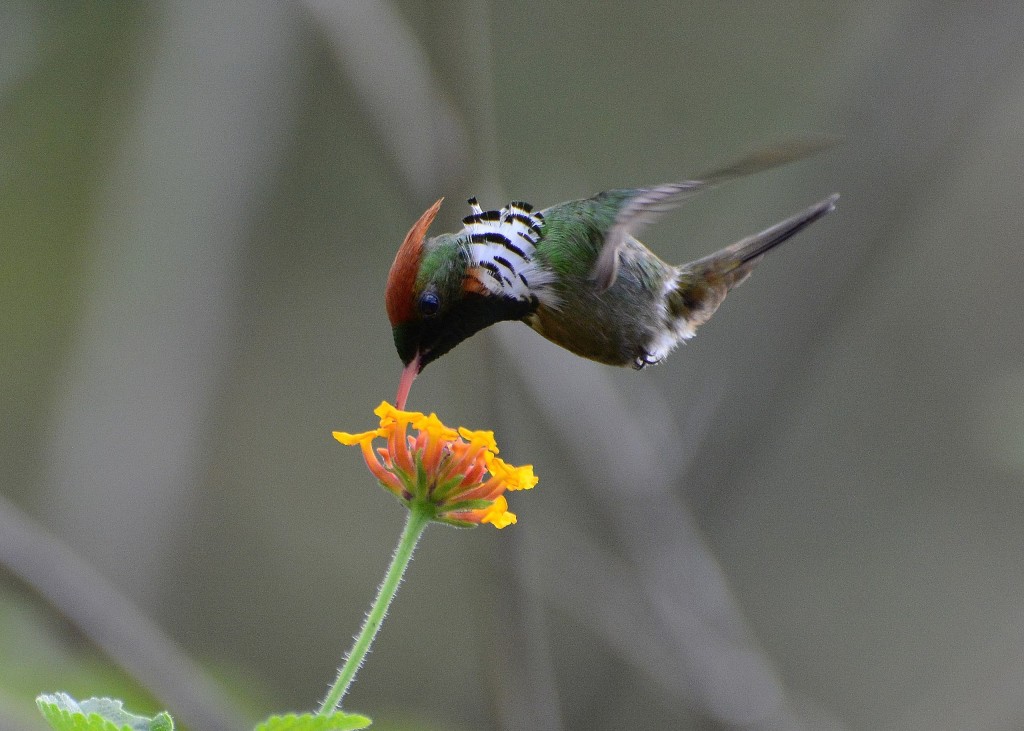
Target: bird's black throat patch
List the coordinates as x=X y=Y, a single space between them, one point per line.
x=432 y=337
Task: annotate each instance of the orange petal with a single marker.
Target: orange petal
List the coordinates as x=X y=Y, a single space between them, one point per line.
x=378 y=470
x=399 y=449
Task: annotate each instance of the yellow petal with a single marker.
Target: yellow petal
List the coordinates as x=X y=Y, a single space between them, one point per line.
x=435 y=428
x=498 y=514
x=483 y=439
x=350 y=440
x=515 y=478
x=524 y=478
x=388 y=414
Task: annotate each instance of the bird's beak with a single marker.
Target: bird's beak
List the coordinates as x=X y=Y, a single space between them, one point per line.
x=409 y=374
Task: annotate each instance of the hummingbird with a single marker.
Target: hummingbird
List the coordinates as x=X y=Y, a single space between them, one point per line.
x=574 y=272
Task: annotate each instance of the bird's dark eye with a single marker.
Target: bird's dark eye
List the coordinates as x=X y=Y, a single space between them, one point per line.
x=429 y=304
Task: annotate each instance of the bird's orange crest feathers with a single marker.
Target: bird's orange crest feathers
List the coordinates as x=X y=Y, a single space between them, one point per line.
x=402 y=278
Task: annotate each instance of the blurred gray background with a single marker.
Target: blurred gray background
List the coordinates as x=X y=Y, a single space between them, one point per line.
x=809 y=518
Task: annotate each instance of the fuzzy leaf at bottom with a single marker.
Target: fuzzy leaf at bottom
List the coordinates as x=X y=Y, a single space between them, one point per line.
x=64 y=713
x=337 y=721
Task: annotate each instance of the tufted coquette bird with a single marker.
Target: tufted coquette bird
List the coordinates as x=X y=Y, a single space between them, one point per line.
x=573 y=272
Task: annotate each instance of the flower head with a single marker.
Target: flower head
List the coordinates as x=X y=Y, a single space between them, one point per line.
x=455 y=473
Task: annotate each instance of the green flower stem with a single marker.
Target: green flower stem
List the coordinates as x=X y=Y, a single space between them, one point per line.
x=419 y=516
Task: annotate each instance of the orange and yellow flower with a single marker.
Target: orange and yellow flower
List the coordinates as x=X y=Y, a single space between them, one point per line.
x=455 y=473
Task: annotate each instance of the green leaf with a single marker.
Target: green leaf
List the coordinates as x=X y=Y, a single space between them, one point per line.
x=443 y=489
x=421 y=476
x=64 y=713
x=455 y=523
x=337 y=721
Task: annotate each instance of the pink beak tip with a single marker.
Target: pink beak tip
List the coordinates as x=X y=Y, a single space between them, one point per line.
x=409 y=374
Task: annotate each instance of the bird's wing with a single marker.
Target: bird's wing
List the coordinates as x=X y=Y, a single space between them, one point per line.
x=648 y=204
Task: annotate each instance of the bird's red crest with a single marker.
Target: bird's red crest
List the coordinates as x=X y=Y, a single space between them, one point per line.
x=402 y=278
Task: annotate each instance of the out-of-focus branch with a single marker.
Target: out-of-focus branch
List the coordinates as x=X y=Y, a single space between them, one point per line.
x=681 y=597
x=214 y=111
x=165 y=280
x=110 y=620
x=391 y=74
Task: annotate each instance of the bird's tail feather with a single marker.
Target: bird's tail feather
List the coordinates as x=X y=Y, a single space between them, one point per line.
x=701 y=285
x=745 y=253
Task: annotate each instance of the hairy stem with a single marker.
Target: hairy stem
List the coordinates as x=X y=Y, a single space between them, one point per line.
x=416 y=522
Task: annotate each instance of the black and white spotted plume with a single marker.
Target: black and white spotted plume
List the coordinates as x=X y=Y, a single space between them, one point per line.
x=502 y=246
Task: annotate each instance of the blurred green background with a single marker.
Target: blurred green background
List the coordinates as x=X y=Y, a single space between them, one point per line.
x=809 y=517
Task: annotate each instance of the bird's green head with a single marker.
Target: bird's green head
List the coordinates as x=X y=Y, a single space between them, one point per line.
x=436 y=297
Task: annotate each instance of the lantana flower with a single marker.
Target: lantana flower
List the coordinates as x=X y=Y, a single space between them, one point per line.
x=454 y=473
